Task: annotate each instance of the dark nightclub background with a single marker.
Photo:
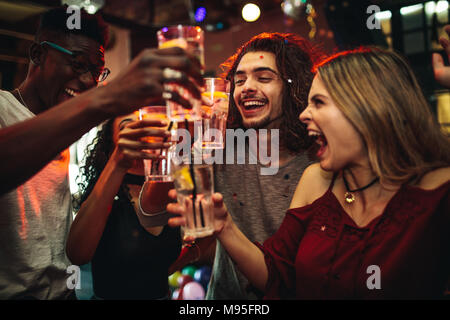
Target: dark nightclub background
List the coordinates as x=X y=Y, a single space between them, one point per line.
x=410 y=27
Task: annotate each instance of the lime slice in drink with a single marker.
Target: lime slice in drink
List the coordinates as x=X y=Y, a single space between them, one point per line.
x=183 y=178
x=178 y=42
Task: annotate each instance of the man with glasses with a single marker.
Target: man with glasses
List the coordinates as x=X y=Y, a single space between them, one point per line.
x=55 y=105
x=80 y=63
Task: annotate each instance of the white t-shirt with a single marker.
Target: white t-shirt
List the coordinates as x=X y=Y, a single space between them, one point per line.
x=34 y=222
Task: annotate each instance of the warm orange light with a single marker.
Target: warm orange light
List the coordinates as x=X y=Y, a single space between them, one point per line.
x=251 y=12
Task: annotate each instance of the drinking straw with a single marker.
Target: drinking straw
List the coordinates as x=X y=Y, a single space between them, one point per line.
x=202 y=219
x=161 y=150
x=191 y=171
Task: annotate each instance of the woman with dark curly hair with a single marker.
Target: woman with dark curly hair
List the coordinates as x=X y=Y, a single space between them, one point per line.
x=130 y=260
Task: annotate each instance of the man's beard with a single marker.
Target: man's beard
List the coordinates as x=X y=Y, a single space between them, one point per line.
x=263 y=123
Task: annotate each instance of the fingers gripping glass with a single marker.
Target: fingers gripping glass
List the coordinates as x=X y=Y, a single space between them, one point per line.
x=80 y=63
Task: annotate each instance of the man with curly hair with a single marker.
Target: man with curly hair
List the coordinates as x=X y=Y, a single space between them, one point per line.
x=270 y=78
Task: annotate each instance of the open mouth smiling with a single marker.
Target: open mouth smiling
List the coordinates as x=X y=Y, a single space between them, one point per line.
x=71 y=92
x=249 y=105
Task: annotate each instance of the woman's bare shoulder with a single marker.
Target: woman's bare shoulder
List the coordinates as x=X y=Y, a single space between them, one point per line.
x=435 y=178
x=312 y=185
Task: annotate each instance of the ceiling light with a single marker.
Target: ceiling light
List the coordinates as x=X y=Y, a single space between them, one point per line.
x=91 y=6
x=294 y=8
x=410 y=9
x=250 y=12
x=442 y=6
x=382 y=15
x=200 y=14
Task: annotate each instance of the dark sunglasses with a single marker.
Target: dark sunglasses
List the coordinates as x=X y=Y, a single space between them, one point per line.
x=80 y=63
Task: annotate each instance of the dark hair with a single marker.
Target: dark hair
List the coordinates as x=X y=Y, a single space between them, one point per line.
x=96 y=156
x=54 y=23
x=295 y=58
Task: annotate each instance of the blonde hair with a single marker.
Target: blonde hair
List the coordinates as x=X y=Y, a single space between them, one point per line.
x=379 y=94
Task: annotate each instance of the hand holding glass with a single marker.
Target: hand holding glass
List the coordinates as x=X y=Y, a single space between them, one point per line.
x=157 y=169
x=189 y=38
x=194 y=185
x=215 y=101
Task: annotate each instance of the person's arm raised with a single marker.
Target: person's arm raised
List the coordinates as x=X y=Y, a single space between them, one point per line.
x=441 y=71
x=26 y=147
x=247 y=256
x=89 y=224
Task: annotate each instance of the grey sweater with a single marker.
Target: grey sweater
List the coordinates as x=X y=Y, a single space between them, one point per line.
x=257 y=204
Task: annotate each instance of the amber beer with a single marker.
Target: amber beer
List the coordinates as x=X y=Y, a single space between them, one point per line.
x=155 y=196
x=155 y=113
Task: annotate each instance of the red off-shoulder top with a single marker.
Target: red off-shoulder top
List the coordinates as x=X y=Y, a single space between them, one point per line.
x=320 y=253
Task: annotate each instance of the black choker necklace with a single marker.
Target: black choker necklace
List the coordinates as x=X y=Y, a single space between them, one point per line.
x=133 y=179
x=349 y=196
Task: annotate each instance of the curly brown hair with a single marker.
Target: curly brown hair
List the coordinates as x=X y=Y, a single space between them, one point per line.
x=97 y=154
x=295 y=58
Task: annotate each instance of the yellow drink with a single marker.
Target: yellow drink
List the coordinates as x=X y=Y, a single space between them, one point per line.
x=155 y=116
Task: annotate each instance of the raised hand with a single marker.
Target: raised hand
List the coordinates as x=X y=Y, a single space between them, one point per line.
x=221 y=216
x=131 y=145
x=142 y=82
x=441 y=71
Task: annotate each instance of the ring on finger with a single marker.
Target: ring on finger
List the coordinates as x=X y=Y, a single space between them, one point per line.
x=167 y=95
x=171 y=74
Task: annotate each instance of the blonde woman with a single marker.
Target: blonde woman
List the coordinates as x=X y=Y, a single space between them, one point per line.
x=371 y=219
